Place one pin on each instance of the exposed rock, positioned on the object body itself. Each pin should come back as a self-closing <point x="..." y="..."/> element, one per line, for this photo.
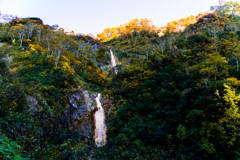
<point x="108" y="104"/>
<point x="95" y="47"/>
<point x="82" y="102"/>
<point x="1" y="44"/>
<point x="81" y="111"/>
<point x="81" y="106"/>
<point x="33" y="103"/>
<point x="8" y="59"/>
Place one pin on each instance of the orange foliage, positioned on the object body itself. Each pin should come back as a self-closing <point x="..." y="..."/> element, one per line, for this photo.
<point x="142" y="24"/>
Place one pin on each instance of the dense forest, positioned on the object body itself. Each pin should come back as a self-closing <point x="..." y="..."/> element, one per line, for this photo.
<point x="173" y="94"/>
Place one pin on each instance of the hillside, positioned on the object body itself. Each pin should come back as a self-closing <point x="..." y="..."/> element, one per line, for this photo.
<point x="136" y="92"/>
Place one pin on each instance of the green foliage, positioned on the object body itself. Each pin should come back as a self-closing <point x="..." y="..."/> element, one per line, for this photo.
<point x="46" y="68"/>
<point x="3" y="65"/>
<point x="173" y="95"/>
<point x="9" y="149"/>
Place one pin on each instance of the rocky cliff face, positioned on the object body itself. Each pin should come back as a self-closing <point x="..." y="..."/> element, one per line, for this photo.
<point x="108" y="105"/>
<point x="80" y="113"/>
<point x="82" y="102"/>
<point x="80" y="117"/>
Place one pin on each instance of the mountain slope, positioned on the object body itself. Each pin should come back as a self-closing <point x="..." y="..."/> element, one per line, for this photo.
<point x="175" y="95"/>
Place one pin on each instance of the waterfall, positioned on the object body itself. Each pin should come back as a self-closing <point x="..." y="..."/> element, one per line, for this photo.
<point x="100" y="126"/>
<point x="100" y="130"/>
<point x="113" y="62"/>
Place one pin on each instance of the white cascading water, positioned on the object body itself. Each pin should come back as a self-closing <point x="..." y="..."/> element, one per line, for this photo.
<point x="113" y="62"/>
<point x="100" y="126"/>
<point x="100" y="135"/>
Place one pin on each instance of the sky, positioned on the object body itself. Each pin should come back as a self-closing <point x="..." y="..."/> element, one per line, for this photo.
<point x="93" y="16"/>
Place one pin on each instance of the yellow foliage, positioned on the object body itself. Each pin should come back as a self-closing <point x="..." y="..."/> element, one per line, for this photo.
<point x="39" y="61"/>
<point x="72" y="55"/>
<point x="77" y="62"/>
<point x="134" y="84"/>
<point x="36" y="48"/>
<point x="64" y="58"/>
<point x="67" y="67"/>
<point x="102" y="75"/>
<point x="89" y="68"/>
<point x="43" y="74"/>
<point x="14" y="42"/>
<point x="233" y="81"/>
<point x="25" y="55"/>
<point x="31" y="65"/>
<point x="232" y="99"/>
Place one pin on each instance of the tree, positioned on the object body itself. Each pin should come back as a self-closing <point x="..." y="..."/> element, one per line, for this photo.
<point x="30" y="28"/>
<point x="219" y="63"/>
<point x="228" y="8"/>
<point x="4" y="29"/>
<point x="18" y="31"/>
<point x="232" y="8"/>
<point x="231" y="119"/>
<point x="162" y="43"/>
<point x="58" y="50"/>
<point x="48" y="38"/>
<point x="134" y="25"/>
<point x="214" y="29"/>
<point x="236" y="54"/>
<point x="170" y="40"/>
<point x="39" y="30"/>
<point x="213" y="67"/>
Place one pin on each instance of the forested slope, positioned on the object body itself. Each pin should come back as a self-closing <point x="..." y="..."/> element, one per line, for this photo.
<point x="175" y="95"/>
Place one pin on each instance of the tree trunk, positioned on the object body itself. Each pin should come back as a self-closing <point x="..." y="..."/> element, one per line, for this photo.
<point x="237" y="64"/>
<point x="21" y="42"/>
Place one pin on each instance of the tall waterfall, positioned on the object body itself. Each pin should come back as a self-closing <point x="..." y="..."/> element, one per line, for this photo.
<point x="113" y="62"/>
<point x="100" y="126"/>
<point x="100" y="130"/>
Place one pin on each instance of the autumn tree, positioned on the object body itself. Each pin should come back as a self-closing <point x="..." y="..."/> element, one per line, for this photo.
<point x="30" y="29"/>
<point x="59" y="46"/>
<point x="228" y="8"/>
<point x="19" y="31"/>
<point x="39" y="30"/>
<point x="134" y="25"/>
<point x="85" y="52"/>
<point x="236" y="54"/>
<point x="48" y="38"/>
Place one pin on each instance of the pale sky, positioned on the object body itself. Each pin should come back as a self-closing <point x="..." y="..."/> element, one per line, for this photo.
<point x="92" y="16"/>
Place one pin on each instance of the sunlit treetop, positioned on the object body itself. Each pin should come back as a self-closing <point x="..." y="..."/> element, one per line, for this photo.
<point x="133" y="25"/>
